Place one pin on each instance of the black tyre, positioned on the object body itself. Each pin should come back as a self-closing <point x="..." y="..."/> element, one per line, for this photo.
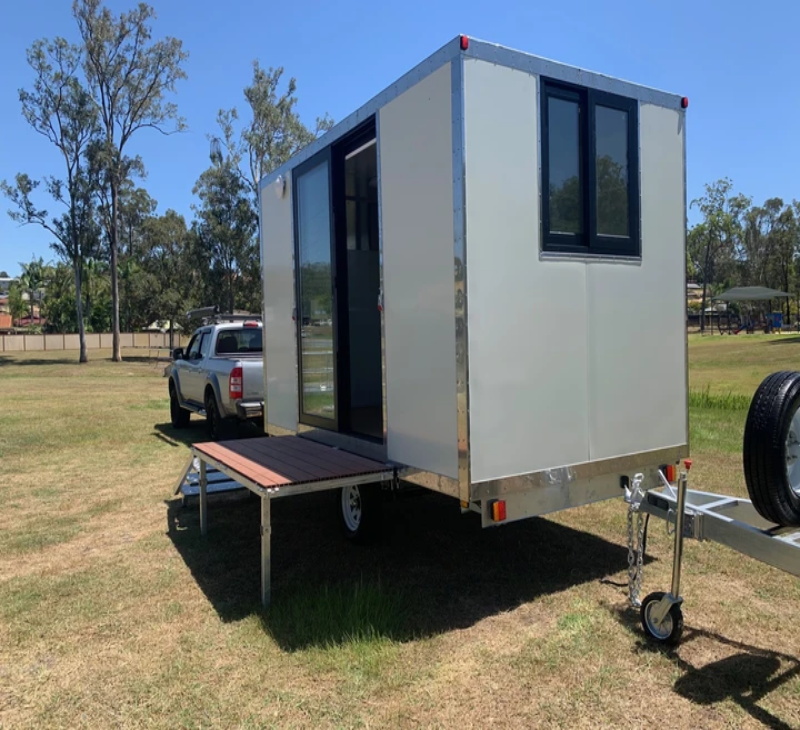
<point x="670" y="629"/>
<point x="771" y="449"/>
<point x="360" y="511"/>
<point x="214" y="423"/>
<point x="179" y="416"/>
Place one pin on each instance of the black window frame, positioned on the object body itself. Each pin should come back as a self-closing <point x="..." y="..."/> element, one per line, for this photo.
<point x="590" y="242"/>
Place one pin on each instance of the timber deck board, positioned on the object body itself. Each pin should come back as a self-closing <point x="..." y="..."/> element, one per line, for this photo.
<point x="279" y="461"/>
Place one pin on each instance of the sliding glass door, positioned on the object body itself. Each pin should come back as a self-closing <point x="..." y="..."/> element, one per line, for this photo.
<point x="316" y="311"/>
<point x="337" y="255"/>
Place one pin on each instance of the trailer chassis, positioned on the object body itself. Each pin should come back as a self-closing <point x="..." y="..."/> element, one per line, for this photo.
<point x="731" y="521"/>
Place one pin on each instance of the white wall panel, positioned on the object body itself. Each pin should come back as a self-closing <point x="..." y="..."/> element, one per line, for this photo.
<point x="527" y="318"/>
<point x="280" y="343"/>
<point x="637" y="361"/>
<point x="416" y="188"/>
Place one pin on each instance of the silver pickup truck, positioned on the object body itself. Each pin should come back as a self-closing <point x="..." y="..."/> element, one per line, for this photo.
<point x="219" y="375"/>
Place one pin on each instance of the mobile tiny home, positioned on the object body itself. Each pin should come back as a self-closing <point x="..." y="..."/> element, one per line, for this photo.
<point x="479" y="276"/>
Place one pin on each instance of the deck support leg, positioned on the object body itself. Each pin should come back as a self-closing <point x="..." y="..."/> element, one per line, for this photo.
<point x="266" y="550"/>
<point x="203" y="498"/>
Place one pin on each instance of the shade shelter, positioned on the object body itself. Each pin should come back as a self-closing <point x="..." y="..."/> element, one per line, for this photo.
<point x="751" y="294"/>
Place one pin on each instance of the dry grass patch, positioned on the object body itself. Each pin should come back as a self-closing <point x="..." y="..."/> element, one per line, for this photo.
<point x="114" y="612"/>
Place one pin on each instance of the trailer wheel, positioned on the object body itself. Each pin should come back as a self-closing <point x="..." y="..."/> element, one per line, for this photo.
<point x="177" y="415"/>
<point x="360" y="512"/>
<point x="669" y="631"/>
<point x="771" y="449"/>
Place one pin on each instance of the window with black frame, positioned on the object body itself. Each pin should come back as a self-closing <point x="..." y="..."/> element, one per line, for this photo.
<point x="590" y="171"/>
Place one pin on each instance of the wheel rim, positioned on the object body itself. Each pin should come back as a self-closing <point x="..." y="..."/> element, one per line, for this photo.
<point x="792" y="453"/>
<point x="661" y="631"/>
<point x="351" y="508"/>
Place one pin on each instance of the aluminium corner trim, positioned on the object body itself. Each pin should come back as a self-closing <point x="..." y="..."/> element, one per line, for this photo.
<point x="460" y="277"/>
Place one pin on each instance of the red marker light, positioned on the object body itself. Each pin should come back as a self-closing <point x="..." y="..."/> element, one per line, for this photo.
<point x="685" y="102"/>
<point x="464" y="42"/>
<point x="687" y="463"/>
<point x="669" y="472"/>
<point x="498" y="510"/>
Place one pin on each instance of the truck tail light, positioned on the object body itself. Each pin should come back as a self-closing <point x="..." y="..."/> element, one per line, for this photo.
<point x="235" y="383"/>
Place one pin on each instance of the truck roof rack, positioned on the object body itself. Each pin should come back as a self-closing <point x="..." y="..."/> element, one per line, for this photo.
<point x="212" y="315"/>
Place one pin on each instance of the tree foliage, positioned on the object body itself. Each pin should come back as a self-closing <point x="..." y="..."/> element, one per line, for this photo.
<point x="736" y="243"/>
<point x="130" y="77"/>
<point x="59" y="108"/>
<point x="224" y="239"/>
<point x="273" y="133"/>
<point x="17" y="305"/>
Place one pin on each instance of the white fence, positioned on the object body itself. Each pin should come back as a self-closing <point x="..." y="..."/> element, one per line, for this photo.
<point x="94" y="341"/>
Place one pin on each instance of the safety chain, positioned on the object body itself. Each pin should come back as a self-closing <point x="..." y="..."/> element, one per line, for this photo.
<point x="635" y="547"/>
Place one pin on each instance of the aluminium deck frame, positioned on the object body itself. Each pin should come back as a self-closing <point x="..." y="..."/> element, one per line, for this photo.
<point x="203" y="461"/>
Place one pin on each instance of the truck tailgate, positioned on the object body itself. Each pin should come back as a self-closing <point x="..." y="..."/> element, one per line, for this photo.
<point x="253" y="377"/>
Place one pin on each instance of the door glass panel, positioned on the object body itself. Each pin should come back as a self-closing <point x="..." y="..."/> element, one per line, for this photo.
<point x="316" y="293"/>
<point x="565" y="183"/>
<point x="611" y="129"/>
<point x="363" y="291"/>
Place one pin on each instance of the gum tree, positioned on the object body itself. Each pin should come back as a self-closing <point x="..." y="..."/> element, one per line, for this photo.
<point x="59" y="108"/>
<point x="130" y="76"/>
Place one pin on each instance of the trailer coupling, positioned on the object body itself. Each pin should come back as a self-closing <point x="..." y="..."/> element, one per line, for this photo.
<point x="731" y="521"/>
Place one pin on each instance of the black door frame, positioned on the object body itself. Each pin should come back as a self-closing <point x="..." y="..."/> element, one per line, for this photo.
<point x="364" y="133"/>
<point x="307" y="418"/>
<point x="334" y="155"/>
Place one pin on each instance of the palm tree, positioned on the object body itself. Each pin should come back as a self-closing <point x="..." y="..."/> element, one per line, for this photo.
<point x="32" y="280"/>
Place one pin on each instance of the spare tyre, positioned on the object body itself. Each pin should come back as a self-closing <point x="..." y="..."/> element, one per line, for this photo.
<point x="771" y="449"/>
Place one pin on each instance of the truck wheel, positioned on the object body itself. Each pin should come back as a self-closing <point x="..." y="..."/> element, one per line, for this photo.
<point x="360" y="512"/>
<point x="214" y="422"/>
<point x="771" y="450"/>
<point x="178" y="415"/>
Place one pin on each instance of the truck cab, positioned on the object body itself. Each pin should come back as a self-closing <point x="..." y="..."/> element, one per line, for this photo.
<point x="219" y="375"/>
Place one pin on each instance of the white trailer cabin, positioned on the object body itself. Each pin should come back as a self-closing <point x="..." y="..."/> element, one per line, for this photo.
<point x="479" y="276"/>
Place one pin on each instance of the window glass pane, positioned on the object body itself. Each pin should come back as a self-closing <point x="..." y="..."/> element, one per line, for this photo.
<point x="205" y="342"/>
<point x="565" y="184"/>
<point x="316" y="292"/>
<point x="611" y="129"/>
<point x="244" y="340"/>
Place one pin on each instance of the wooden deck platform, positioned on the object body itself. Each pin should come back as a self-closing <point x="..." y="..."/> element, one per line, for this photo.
<point x="279" y="466"/>
<point x="284" y="461"/>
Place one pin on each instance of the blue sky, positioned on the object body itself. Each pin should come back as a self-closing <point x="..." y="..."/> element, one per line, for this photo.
<point x="736" y="61"/>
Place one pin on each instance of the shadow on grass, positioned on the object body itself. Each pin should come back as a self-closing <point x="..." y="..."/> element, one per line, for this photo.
<point x="745" y="677"/>
<point x="26" y="361"/>
<point x="433" y="571"/>
<point x="196" y="432"/>
<point x="786" y="340"/>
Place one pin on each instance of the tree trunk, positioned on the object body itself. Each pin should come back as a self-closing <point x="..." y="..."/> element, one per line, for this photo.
<point x="83" y="357"/>
<point x="116" y="355"/>
<point x="703" y="307"/>
<point x="705" y="288"/>
<point x="788" y="299"/>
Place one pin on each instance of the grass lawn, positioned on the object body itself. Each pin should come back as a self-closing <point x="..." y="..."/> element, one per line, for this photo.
<point x="115" y="613"/>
